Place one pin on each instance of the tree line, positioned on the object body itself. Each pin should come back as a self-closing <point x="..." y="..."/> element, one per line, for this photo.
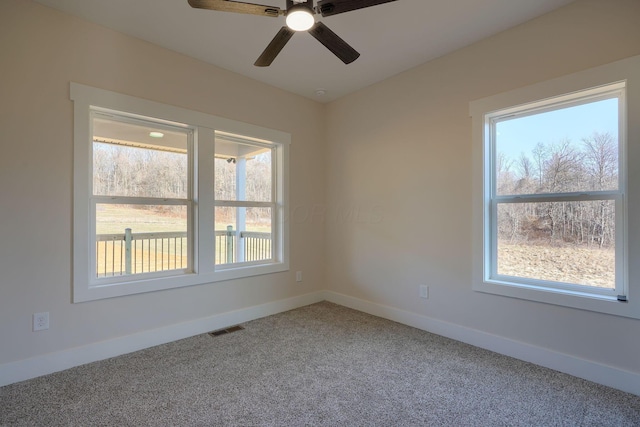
<point x="257" y="183"/>
<point x="560" y="167"/>
<point x="120" y="170"/>
<point x="137" y="172"/>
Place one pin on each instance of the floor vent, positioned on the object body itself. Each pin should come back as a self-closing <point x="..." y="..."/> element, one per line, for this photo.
<point x="226" y="330"/>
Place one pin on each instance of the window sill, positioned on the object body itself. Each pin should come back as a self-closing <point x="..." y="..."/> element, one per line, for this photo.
<point x="607" y="304"/>
<point x="140" y="285"/>
<point x="241" y="271"/>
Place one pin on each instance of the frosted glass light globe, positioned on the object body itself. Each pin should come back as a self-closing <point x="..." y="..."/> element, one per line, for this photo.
<point x="300" y="19"/>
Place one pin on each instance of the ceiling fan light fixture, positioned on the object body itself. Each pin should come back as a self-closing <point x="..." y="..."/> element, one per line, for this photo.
<point x="300" y="18"/>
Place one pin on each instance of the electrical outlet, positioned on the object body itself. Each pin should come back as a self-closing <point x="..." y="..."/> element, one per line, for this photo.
<point x="298" y="276"/>
<point x="424" y="291"/>
<point x="40" y="321"/>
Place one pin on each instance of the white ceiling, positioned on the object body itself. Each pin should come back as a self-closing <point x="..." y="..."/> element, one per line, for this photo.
<point x="391" y="37"/>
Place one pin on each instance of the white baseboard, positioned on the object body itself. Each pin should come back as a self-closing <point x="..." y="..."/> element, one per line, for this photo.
<point x="588" y="370"/>
<point x="53" y="362"/>
<point x="22" y="370"/>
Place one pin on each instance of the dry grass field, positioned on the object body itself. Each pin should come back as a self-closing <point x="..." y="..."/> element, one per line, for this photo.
<point x="583" y="265"/>
<point x="113" y="219"/>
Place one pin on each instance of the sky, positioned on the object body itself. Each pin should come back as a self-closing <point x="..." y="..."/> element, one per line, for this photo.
<point x="521" y="134"/>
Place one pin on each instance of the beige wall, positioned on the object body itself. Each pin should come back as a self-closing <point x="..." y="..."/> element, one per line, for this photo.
<point x="42" y="50"/>
<point x="400" y="151"/>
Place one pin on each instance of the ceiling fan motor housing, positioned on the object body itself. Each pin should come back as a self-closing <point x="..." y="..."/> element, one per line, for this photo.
<point x="307" y="3"/>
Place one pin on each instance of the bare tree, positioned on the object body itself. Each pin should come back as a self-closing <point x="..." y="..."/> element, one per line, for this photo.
<point x="539" y="153"/>
<point x="601" y="161"/>
<point x="524" y="168"/>
<point x="504" y="176"/>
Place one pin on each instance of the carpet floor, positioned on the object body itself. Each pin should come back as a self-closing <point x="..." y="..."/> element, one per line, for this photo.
<point x="320" y="365"/>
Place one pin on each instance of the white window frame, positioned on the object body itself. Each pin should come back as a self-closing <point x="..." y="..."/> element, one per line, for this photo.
<point x="272" y="205"/>
<point x="200" y="202"/>
<point x="236" y="269"/>
<point x="612" y="91"/>
<point x="95" y="200"/>
<point x="619" y="79"/>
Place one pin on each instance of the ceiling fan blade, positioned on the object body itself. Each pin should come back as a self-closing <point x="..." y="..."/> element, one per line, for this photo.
<point x="335" y="44"/>
<point x="334" y="7"/>
<point x="274" y="48"/>
<point x="238" y="7"/>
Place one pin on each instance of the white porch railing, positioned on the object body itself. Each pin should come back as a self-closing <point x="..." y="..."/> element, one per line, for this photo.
<point x="135" y="253"/>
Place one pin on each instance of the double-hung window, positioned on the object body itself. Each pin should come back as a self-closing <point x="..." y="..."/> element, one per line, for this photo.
<point x="244" y="201"/>
<point x="141" y="203"/>
<point x="166" y="197"/>
<point x="556" y="212"/>
<point x="248" y="200"/>
<point x="551" y="217"/>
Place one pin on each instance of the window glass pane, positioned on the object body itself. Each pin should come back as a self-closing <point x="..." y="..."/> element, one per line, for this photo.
<point x="242" y="171"/>
<point x="570" y="242"/>
<point x="134" y="239"/>
<point x="128" y="161"/>
<point x="243" y="234"/>
<point x="569" y="149"/>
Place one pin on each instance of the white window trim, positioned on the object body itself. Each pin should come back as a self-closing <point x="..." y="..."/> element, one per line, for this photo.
<point x="279" y="244"/>
<point x="274" y="204"/>
<point x="95" y="200"/>
<point x="481" y="111"/>
<point x="612" y="91"/>
<point x="202" y="268"/>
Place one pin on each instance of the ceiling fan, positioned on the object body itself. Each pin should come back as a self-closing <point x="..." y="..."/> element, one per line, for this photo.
<point x="299" y="17"/>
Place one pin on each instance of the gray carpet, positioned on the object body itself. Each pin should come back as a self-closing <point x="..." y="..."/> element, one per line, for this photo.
<point x="321" y="365"/>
